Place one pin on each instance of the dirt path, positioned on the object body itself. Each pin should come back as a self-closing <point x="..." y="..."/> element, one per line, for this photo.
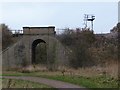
<point x="53" y="83"/>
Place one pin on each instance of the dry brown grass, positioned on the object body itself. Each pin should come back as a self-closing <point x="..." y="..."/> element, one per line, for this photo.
<point x="110" y="69"/>
<point x="33" y="68"/>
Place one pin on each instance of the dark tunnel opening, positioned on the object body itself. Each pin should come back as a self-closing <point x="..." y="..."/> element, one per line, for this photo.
<point x="35" y="44"/>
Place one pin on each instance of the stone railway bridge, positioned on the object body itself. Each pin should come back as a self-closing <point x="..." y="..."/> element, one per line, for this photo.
<point x="22" y="53"/>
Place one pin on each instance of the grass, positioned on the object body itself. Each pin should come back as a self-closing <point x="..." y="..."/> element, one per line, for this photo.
<point x="13" y="83"/>
<point x="88" y="82"/>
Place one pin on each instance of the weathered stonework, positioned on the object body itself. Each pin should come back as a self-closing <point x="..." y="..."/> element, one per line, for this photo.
<point x="20" y="54"/>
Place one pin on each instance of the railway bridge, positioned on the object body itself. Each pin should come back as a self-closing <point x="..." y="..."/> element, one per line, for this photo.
<point x="22" y="53"/>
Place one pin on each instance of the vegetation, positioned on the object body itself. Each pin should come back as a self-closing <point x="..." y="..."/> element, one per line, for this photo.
<point x="93" y="82"/>
<point x="116" y="28"/>
<point x="6" y="36"/>
<point x="13" y="83"/>
<point x="101" y="81"/>
<point x="78" y="43"/>
<point x="88" y="49"/>
<point x="41" y="54"/>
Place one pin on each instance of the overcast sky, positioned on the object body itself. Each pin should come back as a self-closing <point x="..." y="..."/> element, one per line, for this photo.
<point x="59" y="14"/>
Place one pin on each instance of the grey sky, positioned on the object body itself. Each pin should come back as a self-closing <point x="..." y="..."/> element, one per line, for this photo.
<point x="119" y="11"/>
<point x="59" y="14"/>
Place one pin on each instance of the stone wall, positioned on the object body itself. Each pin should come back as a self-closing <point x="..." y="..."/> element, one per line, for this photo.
<point x="20" y="54"/>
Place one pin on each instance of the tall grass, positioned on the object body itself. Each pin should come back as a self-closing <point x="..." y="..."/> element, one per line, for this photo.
<point x="110" y="69"/>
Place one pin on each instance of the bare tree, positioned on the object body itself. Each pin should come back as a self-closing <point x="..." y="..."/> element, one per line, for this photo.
<point x="6" y="36"/>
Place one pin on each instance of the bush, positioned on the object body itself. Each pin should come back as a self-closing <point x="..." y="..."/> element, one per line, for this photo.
<point x="78" y="41"/>
<point x="6" y="36"/>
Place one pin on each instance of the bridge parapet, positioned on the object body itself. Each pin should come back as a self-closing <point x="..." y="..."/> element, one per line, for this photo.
<point x="39" y="30"/>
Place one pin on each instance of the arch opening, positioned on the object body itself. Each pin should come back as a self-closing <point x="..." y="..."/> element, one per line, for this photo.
<point x="39" y="52"/>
